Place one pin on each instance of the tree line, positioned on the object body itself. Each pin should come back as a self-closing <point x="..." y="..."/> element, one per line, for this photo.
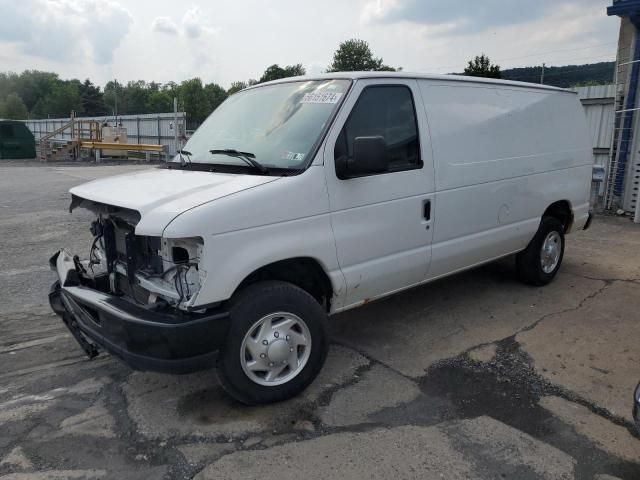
<point x="38" y="94"/>
<point x="567" y="76"/>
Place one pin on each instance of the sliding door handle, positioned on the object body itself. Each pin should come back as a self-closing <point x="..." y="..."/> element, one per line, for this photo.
<point x="426" y="210"/>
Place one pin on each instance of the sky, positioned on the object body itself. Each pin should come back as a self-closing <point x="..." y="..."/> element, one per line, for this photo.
<point x="227" y="40"/>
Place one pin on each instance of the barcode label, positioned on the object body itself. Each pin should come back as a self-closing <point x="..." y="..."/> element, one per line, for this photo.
<point x="321" y="97"/>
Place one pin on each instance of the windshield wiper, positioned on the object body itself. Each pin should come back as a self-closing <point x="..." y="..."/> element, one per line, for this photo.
<point x="248" y="157"/>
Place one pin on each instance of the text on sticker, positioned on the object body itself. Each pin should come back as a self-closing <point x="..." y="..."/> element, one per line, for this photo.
<point x="298" y="157"/>
<point x="321" y="97"/>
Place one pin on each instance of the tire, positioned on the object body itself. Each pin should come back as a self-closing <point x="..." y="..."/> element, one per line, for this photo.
<point x="273" y="312"/>
<point x="532" y="266"/>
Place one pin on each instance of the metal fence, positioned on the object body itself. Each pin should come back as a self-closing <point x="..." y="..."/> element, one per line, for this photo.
<point x="154" y="128"/>
<point x="599" y="106"/>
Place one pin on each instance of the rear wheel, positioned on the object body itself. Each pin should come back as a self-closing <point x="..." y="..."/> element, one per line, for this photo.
<point x="541" y="260"/>
<point x="276" y="345"/>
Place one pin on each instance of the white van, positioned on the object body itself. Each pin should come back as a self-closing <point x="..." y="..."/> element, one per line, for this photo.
<point x="305" y="197"/>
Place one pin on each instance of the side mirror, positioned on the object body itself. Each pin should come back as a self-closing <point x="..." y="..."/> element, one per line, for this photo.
<point x="369" y="157"/>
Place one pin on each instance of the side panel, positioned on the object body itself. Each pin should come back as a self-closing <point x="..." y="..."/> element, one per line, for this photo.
<point x="502" y="156"/>
<point x="284" y="219"/>
<point x="485" y="133"/>
<point x="469" y="236"/>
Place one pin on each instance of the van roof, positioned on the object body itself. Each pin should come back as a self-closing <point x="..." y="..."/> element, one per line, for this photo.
<point x="420" y="76"/>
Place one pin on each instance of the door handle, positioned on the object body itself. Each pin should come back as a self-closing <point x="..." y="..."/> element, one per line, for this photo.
<point x="426" y="210"/>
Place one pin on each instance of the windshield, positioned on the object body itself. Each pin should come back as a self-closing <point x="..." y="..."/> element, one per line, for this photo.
<point x="278" y="124"/>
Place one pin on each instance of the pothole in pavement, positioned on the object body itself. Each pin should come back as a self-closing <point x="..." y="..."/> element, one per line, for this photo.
<point x="509" y="390"/>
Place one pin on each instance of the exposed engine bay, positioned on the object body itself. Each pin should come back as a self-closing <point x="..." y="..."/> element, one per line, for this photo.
<point x="152" y="271"/>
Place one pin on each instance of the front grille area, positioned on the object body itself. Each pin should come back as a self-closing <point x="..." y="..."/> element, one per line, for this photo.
<point x="137" y="253"/>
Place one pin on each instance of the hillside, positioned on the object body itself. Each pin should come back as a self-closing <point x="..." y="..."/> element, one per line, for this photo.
<point x="567" y="76"/>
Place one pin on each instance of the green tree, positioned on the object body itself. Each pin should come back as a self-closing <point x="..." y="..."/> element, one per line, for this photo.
<point x="355" y="56"/>
<point x="195" y="101"/>
<point x="13" y="108"/>
<point x="136" y="97"/>
<point x="215" y="95"/>
<point x="63" y="98"/>
<point x="34" y="85"/>
<point x="275" y="72"/>
<point x="296" y="70"/>
<point x="236" y="87"/>
<point x="481" y="67"/>
<point x="92" y="99"/>
<point x="159" y="101"/>
<point x="8" y="83"/>
<point x="128" y="99"/>
<point x="172" y="88"/>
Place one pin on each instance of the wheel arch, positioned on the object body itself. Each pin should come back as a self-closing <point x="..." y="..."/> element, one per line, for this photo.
<point x="304" y="272"/>
<point x="563" y="212"/>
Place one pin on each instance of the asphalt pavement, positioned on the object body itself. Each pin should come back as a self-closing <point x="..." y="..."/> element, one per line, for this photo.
<point x="472" y="377"/>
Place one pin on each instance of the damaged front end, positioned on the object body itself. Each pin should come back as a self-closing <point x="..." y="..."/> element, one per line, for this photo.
<point x="135" y="295"/>
<point x="152" y="271"/>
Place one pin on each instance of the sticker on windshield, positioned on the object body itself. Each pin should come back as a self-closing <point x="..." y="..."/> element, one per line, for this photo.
<point x="292" y="156"/>
<point x="321" y="97"/>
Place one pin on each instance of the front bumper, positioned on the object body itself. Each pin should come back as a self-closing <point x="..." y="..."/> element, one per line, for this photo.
<point x="143" y="338"/>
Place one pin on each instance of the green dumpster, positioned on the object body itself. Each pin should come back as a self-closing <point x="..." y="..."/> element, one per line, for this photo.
<point x="16" y="140"/>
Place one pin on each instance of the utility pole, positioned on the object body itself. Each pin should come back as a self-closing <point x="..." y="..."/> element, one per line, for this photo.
<point x="542" y="74"/>
<point x="115" y="102"/>
<point x="175" y="123"/>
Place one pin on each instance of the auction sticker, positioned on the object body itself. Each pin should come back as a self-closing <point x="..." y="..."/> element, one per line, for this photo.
<point x="296" y="157"/>
<point x="321" y="97"/>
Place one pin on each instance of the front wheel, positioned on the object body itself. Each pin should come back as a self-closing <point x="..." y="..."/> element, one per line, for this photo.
<point x="541" y="260"/>
<point x="276" y="345"/>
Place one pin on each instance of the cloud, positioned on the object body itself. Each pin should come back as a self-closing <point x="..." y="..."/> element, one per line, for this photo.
<point x="195" y="24"/>
<point x="194" y="31"/>
<point x="107" y="24"/>
<point x="16" y="21"/>
<point x="65" y="30"/>
<point x="463" y="16"/>
<point x="164" y="25"/>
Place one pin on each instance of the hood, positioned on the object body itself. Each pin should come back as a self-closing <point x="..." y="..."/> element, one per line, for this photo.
<point x="160" y="195"/>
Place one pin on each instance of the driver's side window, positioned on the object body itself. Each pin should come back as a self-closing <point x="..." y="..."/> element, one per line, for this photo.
<point x="386" y="111"/>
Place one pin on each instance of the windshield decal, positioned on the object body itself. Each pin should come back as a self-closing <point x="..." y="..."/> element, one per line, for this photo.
<point x="296" y="157"/>
<point x="321" y="97"/>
